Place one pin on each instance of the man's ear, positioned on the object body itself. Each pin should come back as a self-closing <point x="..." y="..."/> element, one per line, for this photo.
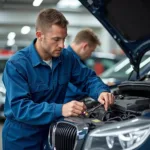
<point x="39" y="35"/>
<point x="84" y="45"/>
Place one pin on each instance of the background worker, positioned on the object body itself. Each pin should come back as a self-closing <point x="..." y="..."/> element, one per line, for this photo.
<point x="84" y="43"/>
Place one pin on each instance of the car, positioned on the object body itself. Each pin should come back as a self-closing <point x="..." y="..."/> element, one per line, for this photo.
<point x="100" y="61"/>
<point x="2" y="97"/>
<point x="123" y="71"/>
<point x="4" y="56"/>
<point x="126" y="124"/>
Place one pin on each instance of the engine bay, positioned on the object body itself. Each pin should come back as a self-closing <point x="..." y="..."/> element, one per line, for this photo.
<point x="131" y="100"/>
<point x="124" y="108"/>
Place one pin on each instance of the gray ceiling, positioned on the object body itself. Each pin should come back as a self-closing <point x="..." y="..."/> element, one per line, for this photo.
<point x="24" y="4"/>
<point x="14" y="14"/>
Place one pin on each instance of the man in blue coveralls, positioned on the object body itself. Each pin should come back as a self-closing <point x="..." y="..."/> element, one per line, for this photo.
<point x="36" y="79"/>
<point x="84" y="43"/>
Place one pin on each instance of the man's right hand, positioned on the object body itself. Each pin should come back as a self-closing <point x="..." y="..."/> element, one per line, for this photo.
<point x="73" y="108"/>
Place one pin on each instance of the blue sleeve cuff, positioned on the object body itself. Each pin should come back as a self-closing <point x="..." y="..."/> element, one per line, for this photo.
<point x="58" y="110"/>
<point x="104" y="90"/>
<point x="99" y="92"/>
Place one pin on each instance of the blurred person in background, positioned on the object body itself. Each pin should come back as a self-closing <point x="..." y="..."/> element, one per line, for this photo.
<point x="36" y="80"/>
<point x="84" y="43"/>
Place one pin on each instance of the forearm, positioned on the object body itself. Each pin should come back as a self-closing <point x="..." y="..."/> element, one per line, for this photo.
<point x="25" y="110"/>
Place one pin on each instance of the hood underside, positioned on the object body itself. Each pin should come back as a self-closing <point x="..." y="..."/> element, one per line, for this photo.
<point x="128" y="21"/>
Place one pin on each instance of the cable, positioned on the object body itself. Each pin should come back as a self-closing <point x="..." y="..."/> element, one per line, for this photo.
<point x="115" y="118"/>
<point x="93" y="109"/>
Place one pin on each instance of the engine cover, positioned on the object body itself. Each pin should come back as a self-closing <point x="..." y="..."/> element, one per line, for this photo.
<point x="133" y="103"/>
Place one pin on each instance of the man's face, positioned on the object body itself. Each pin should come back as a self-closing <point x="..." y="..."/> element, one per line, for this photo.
<point x="87" y="51"/>
<point x="52" y="41"/>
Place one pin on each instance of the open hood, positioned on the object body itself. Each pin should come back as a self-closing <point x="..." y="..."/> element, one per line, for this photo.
<point x="128" y="21"/>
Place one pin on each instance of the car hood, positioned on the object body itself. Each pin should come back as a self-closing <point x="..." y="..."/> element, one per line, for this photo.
<point x="127" y="21"/>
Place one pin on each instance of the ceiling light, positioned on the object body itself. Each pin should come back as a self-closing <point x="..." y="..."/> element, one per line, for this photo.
<point x="68" y="3"/>
<point x="37" y="2"/>
<point x="11" y="35"/>
<point x="11" y="42"/>
<point x="25" y="30"/>
<point x="121" y="65"/>
<point x="145" y="62"/>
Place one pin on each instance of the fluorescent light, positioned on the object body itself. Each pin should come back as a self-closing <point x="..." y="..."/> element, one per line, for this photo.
<point x="37" y="2"/>
<point x="25" y="30"/>
<point x="129" y="70"/>
<point x="68" y="3"/>
<point x="145" y="62"/>
<point x="11" y="42"/>
<point x="11" y="35"/>
<point x="121" y="65"/>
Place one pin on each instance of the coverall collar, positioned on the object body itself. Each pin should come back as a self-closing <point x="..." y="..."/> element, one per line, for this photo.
<point x="36" y="59"/>
<point x="75" y="54"/>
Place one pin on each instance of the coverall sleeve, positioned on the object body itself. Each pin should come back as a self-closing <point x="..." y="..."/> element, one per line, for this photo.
<point x="20" y="103"/>
<point x="87" y="80"/>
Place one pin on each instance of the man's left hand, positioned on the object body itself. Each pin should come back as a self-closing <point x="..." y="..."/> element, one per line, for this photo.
<point x="107" y="99"/>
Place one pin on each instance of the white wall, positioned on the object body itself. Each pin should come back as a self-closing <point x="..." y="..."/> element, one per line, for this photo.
<point x="14" y="20"/>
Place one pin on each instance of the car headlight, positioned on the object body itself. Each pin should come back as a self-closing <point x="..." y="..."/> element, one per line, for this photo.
<point x="125" y="135"/>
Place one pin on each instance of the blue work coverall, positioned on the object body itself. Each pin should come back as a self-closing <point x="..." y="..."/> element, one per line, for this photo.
<point x="35" y="94"/>
<point x="74" y="92"/>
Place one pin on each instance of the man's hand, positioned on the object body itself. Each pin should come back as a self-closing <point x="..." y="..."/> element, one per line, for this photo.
<point x="73" y="108"/>
<point x="106" y="99"/>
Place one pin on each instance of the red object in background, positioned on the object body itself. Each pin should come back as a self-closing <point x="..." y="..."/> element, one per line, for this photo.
<point x="5" y="52"/>
<point x="99" y="68"/>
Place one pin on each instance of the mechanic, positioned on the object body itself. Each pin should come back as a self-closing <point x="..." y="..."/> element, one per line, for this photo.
<point x="84" y="43"/>
<point x="36" y="80"/>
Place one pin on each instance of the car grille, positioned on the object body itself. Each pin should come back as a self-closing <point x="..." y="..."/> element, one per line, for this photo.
<point x="65" y="136"/>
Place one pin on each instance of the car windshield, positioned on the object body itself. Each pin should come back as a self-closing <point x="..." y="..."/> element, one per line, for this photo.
<point x="123" y="69"/>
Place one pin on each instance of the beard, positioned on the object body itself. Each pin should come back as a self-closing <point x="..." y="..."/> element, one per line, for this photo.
<point x="56" y="52"/>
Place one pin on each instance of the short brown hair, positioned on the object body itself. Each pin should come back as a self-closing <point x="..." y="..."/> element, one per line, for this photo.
<point x="49" y="17"/>
<point x="87" y="35"/>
